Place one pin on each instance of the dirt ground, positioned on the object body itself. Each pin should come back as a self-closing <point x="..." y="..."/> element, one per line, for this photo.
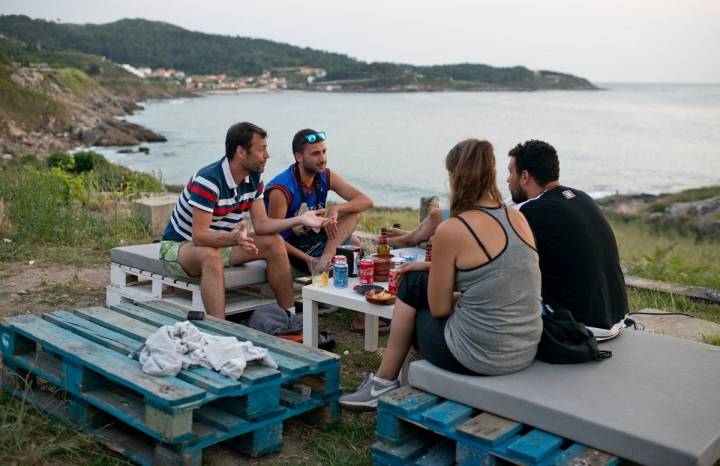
<point x="28" y="288"/>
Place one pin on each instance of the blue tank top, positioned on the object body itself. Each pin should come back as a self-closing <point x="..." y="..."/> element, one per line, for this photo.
<point x="288" y="182"/>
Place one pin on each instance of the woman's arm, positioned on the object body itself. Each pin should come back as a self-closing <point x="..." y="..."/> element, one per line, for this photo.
<point x="442" y="270"/>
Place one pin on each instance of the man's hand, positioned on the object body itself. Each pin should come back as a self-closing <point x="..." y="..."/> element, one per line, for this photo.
<point x="331" y="222"/>
<point x="313" y="218"/>
<point x="240" y="235"/>
<point x="308" y="260"/>
<point x="411" y="266"/>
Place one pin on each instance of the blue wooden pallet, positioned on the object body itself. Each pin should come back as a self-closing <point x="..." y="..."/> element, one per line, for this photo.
<point x="161" y="420"/>
<point x="418" y="428"/>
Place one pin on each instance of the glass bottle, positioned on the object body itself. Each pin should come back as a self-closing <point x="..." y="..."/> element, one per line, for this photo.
<point x="428" y="252"/>
<point x="383" y="246"/>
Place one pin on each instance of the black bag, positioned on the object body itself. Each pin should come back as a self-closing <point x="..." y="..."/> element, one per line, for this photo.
<point x="565" y="341"/>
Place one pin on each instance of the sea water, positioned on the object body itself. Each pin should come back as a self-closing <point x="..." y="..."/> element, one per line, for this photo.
<point x="629" y="138"/>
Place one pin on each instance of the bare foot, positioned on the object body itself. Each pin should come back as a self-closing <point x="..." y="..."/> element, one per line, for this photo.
<point x="395" y="232"/>
<point x="400" y="241"/>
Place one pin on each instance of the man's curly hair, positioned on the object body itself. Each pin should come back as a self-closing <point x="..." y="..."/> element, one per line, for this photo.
<point x="539" y="159"/>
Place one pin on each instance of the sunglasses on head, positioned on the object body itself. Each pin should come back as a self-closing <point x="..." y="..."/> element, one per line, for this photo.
<point x="315" y="137"/>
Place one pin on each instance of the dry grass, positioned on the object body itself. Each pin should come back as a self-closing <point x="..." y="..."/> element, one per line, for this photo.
<point x="667" y="255"/>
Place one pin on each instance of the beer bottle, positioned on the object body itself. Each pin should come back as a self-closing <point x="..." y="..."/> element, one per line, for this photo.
<point x="383" y="246"/>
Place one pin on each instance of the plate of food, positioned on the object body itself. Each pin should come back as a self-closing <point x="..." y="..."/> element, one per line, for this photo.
<point x="381" y="297"/>
<point x="362" y="289"/>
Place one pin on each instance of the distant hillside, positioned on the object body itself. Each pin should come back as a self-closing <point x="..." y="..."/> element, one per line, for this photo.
<point x="154" y="44"/>
<point x="108" y="74"/>
<point x="56" y="104"/>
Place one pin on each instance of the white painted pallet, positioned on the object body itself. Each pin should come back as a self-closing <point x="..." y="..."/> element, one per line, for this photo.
<point x="132" y="284"/>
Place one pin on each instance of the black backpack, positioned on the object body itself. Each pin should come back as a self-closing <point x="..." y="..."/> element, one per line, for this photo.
<point x="565" y="341"/>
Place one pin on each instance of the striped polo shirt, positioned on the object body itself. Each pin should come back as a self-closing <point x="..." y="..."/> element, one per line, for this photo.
<point x="213" y="189"/>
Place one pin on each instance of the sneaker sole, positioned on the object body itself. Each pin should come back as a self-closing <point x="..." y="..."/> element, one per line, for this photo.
<point x="359" y="405"/>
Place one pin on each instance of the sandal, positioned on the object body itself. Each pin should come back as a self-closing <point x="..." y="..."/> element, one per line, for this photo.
<point x="383" y="328"/>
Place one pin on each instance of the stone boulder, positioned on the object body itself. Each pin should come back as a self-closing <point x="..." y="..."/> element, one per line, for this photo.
<point x="702" y="207"/>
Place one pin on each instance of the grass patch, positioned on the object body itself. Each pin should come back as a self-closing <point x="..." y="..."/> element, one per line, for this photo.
<point x="378" y="217"/>
<point x="55" y="214"/>
<point x="643" y="299"/>
<point x="30" y="437"/>
<point x="667" y="255"/>
<point x="711" y="339"/>
<point x="75" y="81"/>
<point x="28" y="108"/>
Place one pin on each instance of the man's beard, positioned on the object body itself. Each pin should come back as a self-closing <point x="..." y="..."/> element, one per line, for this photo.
<point x="518" y="195"/>
<point x="313" y="168"/>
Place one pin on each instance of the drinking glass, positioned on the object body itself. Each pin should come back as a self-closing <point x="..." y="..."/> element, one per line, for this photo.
<point x="319" y="271"/>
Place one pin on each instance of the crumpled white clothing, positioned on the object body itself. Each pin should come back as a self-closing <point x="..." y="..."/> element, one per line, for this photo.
<point x="175" y="347"/>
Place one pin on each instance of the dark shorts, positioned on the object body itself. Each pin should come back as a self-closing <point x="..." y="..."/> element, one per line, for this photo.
<point x="429" y="331"/>
<point x="313" y="245"/>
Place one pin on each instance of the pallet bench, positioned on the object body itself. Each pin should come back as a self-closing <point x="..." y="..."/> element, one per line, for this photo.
<point x="655" y="402"/>
<point x="137" y="274"/>
<point x="74" y="365"/>
<point x="415" y="427"/>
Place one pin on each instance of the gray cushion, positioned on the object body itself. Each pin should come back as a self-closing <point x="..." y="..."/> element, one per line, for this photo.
<point x="146" y="257"/>
<point x="656" y="401"/>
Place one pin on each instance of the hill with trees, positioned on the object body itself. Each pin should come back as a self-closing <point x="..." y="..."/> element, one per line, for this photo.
<point x="143" y="43"/>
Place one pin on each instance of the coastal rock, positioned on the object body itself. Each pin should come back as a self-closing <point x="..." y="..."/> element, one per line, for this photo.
<point x="7" y="157"/>
<point x="120" y="133"/>
<point x="27" y="77"/>
<point x="702" y="207"/>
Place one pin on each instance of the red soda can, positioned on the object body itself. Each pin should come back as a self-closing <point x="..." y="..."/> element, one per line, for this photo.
<point x="366" y="272"/>
<point x="392" y="281"/>
<point x="393" y="274"/>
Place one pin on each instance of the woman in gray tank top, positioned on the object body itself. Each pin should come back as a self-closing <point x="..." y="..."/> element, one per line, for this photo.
<point x="475" y="309"/>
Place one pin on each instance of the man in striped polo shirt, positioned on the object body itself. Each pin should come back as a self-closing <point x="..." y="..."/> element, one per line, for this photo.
<point x="205" y="232"/>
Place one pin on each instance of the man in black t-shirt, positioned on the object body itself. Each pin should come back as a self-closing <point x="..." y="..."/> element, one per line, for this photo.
<point x="578" y="254"/>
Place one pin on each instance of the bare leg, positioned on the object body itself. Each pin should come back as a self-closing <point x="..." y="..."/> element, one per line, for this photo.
<point x="272" y="249"/>
<point x="208" y="263"/>
<point x="399" y="342"/>
<point x="423" y="232"/>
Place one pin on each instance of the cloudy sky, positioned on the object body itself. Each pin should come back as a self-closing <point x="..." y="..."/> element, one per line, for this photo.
<point x="603" y="40"/>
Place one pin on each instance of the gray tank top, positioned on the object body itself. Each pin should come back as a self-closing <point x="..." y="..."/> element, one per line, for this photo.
<point x="496" y="325"/>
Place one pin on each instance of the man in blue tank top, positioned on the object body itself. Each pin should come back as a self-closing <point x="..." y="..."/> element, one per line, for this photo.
<point x="579" y="258"/>
<point x="305" y="186"/>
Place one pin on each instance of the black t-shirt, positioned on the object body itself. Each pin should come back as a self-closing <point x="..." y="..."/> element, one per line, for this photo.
<point x="579" y="258"/>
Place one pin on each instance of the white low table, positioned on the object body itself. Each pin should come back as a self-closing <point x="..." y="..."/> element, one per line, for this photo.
<point x="347" y="298"/>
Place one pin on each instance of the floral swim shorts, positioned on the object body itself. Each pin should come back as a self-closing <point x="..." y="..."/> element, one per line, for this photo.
<point x="170" y="254"/>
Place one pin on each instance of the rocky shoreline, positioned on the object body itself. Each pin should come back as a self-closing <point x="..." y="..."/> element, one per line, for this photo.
<point x="78" y="114"/>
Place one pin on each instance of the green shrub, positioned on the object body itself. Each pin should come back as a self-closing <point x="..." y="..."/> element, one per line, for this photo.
<point x="109" y="177"/>
<point x="88" y="160"/>
<point x="61" y="160"/>
<point x="47" y="209"/>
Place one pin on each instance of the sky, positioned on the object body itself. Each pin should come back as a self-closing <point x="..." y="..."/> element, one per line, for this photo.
<point x="602" y="40"/>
